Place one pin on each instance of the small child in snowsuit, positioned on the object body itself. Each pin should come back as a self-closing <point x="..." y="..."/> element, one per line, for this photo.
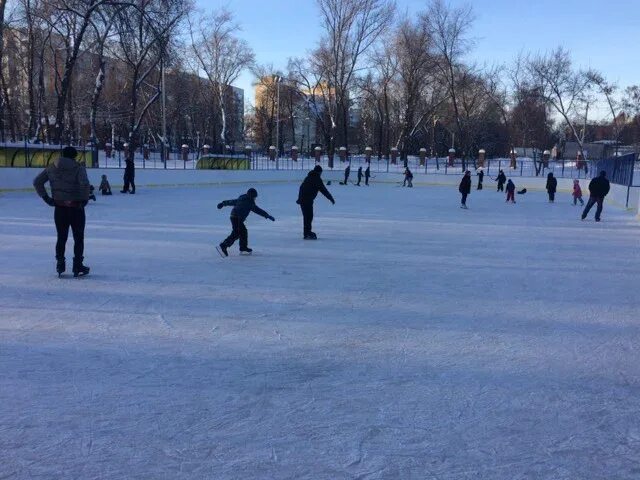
<point x="105" y="188"/>
<point x="511" y="189"/>
<point x="577" y="193"/>
<point x="242" y="206"/>
<point x="367" y="174"/>
<point x="552" y="186"/>
<point x="359" y="175"/>
<point x="501" y="178"/>
<point x="408" y="178"/>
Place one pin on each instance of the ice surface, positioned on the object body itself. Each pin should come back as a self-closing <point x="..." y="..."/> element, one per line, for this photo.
<point x="412" y="340"/>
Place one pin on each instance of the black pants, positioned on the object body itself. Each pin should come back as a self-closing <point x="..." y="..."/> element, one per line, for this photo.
<point x="307" y="217"/>
<point x="590" y="203"/>
<point x="73" y="217"/>
<point x="479" y="185"/>
<point x="359" y="180"/>
<point x="501" y="187"/>
<point x="366" y="180"/>
<point x="464" y="198"/>
<point x="129" y="180"/>
<point x="552" y="196"/>
<point x="238" y="231"/>
<point x="346" y="178"/>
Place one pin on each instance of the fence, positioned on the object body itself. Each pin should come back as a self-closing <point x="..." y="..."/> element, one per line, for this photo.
<point x="621" y="171"/>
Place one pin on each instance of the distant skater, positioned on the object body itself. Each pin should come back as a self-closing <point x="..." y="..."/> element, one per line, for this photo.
<point x="511" y="189"/>
<point x="552" y="186"/>
<point x="598" y="189"/>
<point x="359" y="175"/>
<point x="367" y="174"/>
<point x="480" y="178"/>
<point x="129" y="175"/>
<point x="501" y="179"/>
<point x="306" y="196"/>
<point x="347" y="172"/>
<point x="465" y="188"/>
<point x="242" y="206"/>
<point x="105" y="188"/>
<point x="577" y="193"/>
<point x="408" y="178"/>
<point x="70" y="191"/>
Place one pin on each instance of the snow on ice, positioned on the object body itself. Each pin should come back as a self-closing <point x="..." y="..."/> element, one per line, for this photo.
<point x="412" y="340"/>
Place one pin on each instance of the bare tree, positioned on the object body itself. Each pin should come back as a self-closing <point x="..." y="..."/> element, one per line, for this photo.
<point x="351" y="27"/>
<point x="221" y="55"/>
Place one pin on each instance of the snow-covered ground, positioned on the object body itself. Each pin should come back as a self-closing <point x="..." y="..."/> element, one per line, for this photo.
<point x="412" y="340"/>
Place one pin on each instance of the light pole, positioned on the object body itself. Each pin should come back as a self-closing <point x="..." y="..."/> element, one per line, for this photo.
<point x="277" y="79"/>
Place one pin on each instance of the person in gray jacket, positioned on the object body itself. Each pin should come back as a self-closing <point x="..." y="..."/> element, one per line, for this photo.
<point x="69" y="195"/>
<point x="242" y="206"/>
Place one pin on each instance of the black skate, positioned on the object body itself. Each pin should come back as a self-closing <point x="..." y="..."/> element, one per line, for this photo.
<point x="310" y="236"/>
<point x="246" y="251"/>
<point x="222" y="250"/>
<point x="60" y="267"/>
<point x="79" y="270"/>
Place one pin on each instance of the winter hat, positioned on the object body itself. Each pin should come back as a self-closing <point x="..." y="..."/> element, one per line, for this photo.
<point x="317" y="169"/>
<point x="252" y="192"/>
<point x="467" y="172"/>
<point x="603" y="173"/>
<point x="69" y="152"/>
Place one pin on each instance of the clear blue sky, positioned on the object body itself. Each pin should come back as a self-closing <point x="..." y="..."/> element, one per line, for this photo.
<point x="600" y="34"/>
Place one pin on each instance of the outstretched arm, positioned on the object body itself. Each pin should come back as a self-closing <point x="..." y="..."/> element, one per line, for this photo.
<point x="227" y="203"/>
<point x="325" y="192"/>
<point x="256" y="209"/>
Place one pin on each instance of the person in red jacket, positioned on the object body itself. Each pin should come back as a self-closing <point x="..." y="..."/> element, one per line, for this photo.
<point x="577" y="193"/>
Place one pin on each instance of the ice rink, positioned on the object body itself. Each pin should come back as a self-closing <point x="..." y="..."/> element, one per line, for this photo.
<point x="413" y="340"/>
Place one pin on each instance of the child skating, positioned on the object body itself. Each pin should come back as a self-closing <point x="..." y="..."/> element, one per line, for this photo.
<point x="511" y="190"/>
<point x="577" y="193"/>
<point x="408" y="178"/>
<point x="359" y="175"/>
<point x="465" y="189"/>
<point x="105" y="188"/>
<point x="552" y="186"/>
<point x="367" y="174"/>
<point x="501" y="179"/>
<point x="242" y="206"/>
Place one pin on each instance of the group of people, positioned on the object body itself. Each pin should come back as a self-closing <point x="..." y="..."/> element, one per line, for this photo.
<point x="71" y="191"/>
<point x="360" y="174"/>
<point x="598" y="189"/>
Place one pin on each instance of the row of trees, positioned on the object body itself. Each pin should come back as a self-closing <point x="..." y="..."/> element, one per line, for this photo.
<point x="411" y="83"/>
<point x="376" y="78"/>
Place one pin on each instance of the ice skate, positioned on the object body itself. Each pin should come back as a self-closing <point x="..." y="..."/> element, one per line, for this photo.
<point x="222" y="250"/>
<point x="79" y="270"/>
<point x="60" y="266"/>
<point x="246" y="251"/>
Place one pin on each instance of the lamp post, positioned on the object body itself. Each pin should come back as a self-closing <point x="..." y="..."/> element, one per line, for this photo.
<point x="277" y="79"/>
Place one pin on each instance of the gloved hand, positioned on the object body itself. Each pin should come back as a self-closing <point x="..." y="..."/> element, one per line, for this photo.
<point x="49" y="201"/>
<point x="220" y="206"/>
<point x="298" y="202"/>
<point x="271" y="218"/>
<point x="333" y="202"/>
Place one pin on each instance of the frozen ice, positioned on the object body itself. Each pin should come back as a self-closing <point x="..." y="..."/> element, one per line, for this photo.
<point x="412" y="340"/>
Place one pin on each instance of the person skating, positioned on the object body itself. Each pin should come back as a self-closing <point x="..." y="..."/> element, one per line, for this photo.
<point x="480" y="178"/>
<point x="359" y="175"/>
<point x="308" y="192"/>
<point x="552" y="186"/>
<point x="408" y="178"/>
<point x="598" y="189"/>
<point x="367" y="174"/>
<point x="347" y="171"/>
<point x="105" y="187"/>
<point x="501" y="179"/>
<point x="577" y="193"/>
<point x="69" y="195"/>
<point x="465" y="188"/>
<point x="129" y="175"/>
<point x="242" y="206"/>
<point x="511" y="189"/>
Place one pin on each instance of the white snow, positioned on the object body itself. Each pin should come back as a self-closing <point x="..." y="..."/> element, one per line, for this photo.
<point x="412" y="340"/>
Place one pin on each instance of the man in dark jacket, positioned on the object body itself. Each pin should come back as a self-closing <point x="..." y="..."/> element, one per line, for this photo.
<point x="480" y="178"/>
<point x="552" y="186"/>
<point x="242" y="206"/>
<point x="70" y="191"/>
<point x="359" y="175"/>
<point x="465" y="188"/>
<point x="129" y="175"/>
<point x="347" y="171"/>
<point x="502" y="179"/>
<point x="408" y="178"/>
<point x="367" y="174"/>
<point x="598" y="189"/>
<point x="307" y="194"/>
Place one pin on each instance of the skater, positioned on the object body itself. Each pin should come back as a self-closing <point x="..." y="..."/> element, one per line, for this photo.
<point x="511" y="188"/>
<point x="465" y="188"/>
<point x="552" y="185"/>
<point x="598" y="189"/>
<point x="408" y="178"/>
<point x="70" y="191"/>
<point x="306" y="195"/>
<point x="242" y="206"/>
<point x="105" y="188"/>
<point x="359" y="175"/>
<point x="367" y="174"/>
<point x="129" y="175"/>
<point x="501" y="179"/>
<point x="577" y="193"/>
<point x="347" y="171"/>
<point x="480" y="178"/>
